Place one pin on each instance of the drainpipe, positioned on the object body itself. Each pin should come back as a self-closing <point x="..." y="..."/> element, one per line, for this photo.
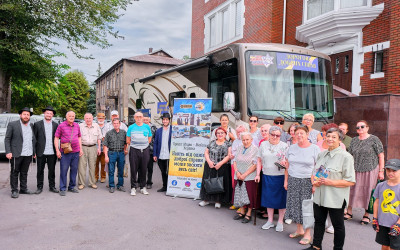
<point x="284" y="22"/>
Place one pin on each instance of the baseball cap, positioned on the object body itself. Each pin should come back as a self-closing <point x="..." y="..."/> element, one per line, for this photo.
<point x="114" y="112"/>
<point x="393" y="164"/>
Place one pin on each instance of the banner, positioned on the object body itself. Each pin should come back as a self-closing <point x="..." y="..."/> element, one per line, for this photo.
<point x="191" y="124"/>
<point x="297" y="62"/>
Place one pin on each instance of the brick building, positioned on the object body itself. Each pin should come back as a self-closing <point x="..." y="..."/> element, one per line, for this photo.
<point x="112" y="85"/>
<point x="361" y="36"/>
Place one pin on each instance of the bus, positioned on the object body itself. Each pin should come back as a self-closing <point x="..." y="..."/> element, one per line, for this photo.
<point x="266" y="80"/>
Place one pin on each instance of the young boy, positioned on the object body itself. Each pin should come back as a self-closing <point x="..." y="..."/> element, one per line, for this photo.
<point x="386" y="221"/>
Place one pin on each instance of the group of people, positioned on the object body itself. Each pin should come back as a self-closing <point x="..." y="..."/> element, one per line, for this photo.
<point x="281" y="169"/>
<point x="102" y="148"/>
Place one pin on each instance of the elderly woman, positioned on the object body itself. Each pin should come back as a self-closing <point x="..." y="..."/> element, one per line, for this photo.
<point x="245" y="165"/>
<point x="322" y="144"/>
<point x="332" y="179"/>
<point x="292" y="139"/>
<point x="231" y="134"/>
<point x="301" y="158"/>
<point x="254" y="130"/>
<point x="369" y="163"/>
<point x="313" y="135"/>
<point x="271" y="154"/>
<point x="217" y="156"/>
<point x="264" y="133"/>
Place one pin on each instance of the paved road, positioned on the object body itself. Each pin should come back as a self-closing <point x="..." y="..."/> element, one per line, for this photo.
<point x="96" y="219"/>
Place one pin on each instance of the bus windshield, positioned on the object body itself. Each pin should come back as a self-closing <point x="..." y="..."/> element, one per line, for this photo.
<point x="288" y="85"/>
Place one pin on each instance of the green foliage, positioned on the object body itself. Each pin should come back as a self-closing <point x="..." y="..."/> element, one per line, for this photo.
<point x="76" y="91"/>
<point x="91" y="102"/>
<point x="31" y="30"/>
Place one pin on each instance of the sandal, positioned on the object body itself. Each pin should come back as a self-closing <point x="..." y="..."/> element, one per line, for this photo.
<point x="305" y="241"/>
<point x="350" y="216"/>
<point x="238" y="216"/>
<point x="295" y="235"/>
<point x="246" y="219"/>
<point x="363" y="222"/>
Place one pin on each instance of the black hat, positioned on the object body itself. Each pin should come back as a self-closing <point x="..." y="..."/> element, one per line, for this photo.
<point x="166" y="115"/>
<point x="49" y="108"/>
<point x="25" y="109"/>
<point x="393" y="164"/>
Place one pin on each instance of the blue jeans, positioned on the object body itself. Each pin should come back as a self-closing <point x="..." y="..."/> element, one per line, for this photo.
<point x="68" y="161"/>
<point x="119" y="158"/>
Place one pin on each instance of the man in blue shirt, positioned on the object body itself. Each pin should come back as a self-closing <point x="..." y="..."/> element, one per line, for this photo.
<point x="138" y="137"/>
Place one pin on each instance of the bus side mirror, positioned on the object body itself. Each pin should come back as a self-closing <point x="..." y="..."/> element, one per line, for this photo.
<point x="138" y="103"/>
<point x="229" y="101"/>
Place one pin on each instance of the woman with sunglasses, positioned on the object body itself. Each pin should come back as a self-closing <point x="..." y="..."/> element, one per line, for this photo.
<point x="369" y="163"/>
<point x="271" y="158"/>
<point x="279" y="121"/>
<point x="217" y="156"/>
<point x="301" y="158"/>
<point x="313" y="135"/>
<point x="254" y="130"/>
<point x="231" y="133"/>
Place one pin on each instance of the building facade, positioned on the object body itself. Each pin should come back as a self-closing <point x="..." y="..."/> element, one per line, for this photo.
<point x="114" y="84"/>
<point x="361" y="36"/>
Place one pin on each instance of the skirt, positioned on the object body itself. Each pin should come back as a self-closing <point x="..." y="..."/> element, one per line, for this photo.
<point x="251" y="187"/>
<point x="273" y="194"/>
<point x="360" y="193"/>
<point x="299" y="189"/>
<point x="224" y="171"/>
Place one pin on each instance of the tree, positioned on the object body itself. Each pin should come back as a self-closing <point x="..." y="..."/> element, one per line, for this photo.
<point x="76" y="90"/>
<point x="91" y="102"/>
<point x="30" y="31"/>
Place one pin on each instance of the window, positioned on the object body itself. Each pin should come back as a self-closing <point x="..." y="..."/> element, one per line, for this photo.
<point x="378" y="61"/>
<point x="346" y="64"/>
<point x="223" y="25"/>
<point x="318" y="7"/>
<point x="173" y="95"/>
<point x="337" y="65"/>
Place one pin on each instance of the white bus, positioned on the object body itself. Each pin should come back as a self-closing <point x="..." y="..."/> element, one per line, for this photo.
<point x="267" y="80"/>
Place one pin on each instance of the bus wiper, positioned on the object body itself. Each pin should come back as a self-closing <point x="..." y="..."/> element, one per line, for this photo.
<point x="316" y="111"/>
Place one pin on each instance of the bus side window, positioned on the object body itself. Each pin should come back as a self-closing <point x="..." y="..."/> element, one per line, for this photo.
<point x="173" y="95"/>
<point x="192" y="95"/>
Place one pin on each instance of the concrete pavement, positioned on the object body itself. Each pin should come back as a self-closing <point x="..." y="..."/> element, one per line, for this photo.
<point x="97" y="219"/>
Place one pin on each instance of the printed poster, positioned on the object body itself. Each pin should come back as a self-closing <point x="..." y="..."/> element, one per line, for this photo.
<point x="191" y="125"/>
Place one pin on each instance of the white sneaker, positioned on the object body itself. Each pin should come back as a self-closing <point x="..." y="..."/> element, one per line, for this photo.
<point x="203" y="203"/>
<point x="133" y="191"/>
<point x="268" y="225"/>
<point x="288" y="221"/>
<point x="144" y="191"/>
<point x="217" y="205"/>
<point x="279" y="227"/>
<point x="330" y="230"/>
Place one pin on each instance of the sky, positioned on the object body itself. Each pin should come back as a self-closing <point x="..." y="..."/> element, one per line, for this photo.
<point x="157" y="24"/>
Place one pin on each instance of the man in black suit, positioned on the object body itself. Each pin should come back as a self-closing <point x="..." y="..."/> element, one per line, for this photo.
<point x="20" y="147"/>
<point x="44" y="131"/>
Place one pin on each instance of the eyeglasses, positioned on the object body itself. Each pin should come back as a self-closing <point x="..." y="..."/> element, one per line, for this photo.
<point x="274" y="135"/>
<point x="253" y="120"/>
<point x="220" y="133"/>
<point x="280" y="123"/>
<point x="363" y="126"/>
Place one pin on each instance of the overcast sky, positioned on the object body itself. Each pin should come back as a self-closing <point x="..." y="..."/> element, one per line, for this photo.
<point x="146" y="24"/>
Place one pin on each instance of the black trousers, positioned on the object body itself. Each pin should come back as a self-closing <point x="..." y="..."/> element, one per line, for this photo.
<point x="19" y="168"/>
<point x="150" y="170"/>
<point x="51" y="165"/>
<point x="336" y="215"/>
<point x="163" y="164"/>
<point x="138" y="160"/>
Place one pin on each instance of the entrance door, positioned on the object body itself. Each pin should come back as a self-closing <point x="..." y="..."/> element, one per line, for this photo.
<point x="342" y="68"/>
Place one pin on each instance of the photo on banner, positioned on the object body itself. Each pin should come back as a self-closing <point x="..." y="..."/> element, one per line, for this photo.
<point x="191" y="125"/>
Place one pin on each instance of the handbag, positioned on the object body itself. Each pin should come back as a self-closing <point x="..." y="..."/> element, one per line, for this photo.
<point x="241" y="197"/>
<point x="372" y="199"/>
<point x="66" y="147"/>
<point x="308" y="212"/>
<point x="214" y="185"/>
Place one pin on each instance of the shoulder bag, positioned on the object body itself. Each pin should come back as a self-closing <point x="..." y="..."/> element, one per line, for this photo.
<point x="214" y="185"/>
<point x="66" y="147"/>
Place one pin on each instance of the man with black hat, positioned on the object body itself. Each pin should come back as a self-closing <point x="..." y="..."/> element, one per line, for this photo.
<point x="161" y="149"/>
<point x="20" y="147"/>
<point x="44" y="131"/>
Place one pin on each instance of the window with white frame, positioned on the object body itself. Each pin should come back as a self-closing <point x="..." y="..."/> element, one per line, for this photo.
<point x="224" y="24"/>
<point x="319" y="7"/>
<point x="378" y="61"/>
